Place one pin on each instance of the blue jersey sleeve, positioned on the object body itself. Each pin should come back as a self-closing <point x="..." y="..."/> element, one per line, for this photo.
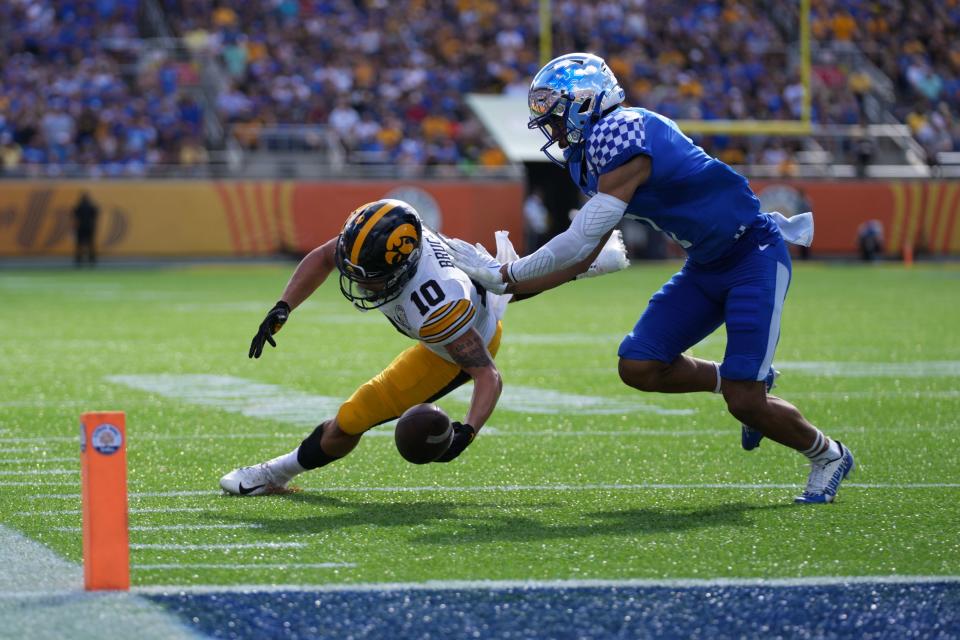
<point x="616" y="139"/>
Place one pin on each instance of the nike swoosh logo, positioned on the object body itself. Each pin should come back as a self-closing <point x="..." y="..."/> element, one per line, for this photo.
<point x="245" y="490"/>
<point x="763" y="246"/>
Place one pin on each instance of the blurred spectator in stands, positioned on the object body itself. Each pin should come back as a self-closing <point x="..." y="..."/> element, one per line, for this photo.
<point x="10" y="154"/>
<point x="860" y="84"/>
<point x="75" y="67"/>
<point x="870" y="240"/>
<point x="192" y="153"/>
<point x="85" y="214"/>
<point x="536" y="221"/>
<point x="863" y="151"/>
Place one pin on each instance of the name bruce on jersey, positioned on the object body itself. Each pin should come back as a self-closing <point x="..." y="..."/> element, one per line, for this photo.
<point x="443" y="258"/>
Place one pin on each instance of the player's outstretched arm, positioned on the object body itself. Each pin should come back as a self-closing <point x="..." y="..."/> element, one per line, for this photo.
<point x="534" y="286"/>
<point x="471" y="354"/>
<point x="309" y="274"/>
<point x="589" y="229"/>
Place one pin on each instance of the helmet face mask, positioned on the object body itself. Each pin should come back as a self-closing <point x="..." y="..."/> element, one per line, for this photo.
<point x="377" y="252"/>
<point x="567" y="96"/>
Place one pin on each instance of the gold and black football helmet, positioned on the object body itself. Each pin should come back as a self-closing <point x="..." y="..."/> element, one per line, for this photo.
<point x="378" y="251"/>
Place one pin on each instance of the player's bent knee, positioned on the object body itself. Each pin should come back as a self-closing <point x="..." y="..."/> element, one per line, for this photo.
<point x="744" y="400"/>
<point x="644" y="375"/>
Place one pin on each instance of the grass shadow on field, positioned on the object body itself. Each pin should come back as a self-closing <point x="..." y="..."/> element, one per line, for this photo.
<point x="479" y="522"/>
<point x="627" y="522"/>
<point x="335" y="513"/>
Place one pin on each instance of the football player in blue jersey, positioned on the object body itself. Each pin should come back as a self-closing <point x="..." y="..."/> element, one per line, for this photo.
<point x="635" y="163"/>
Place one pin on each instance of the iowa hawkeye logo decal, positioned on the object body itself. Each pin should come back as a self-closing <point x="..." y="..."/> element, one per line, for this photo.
<point x="401" y="244"/>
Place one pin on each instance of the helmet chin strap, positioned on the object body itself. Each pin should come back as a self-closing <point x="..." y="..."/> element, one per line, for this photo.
<point x="597" y="112"/>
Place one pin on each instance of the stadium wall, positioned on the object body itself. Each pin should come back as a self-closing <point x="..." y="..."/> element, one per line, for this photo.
<point x="922" y="213"/>
<point x="237" y="218"/>
<point x="255" y="218"/>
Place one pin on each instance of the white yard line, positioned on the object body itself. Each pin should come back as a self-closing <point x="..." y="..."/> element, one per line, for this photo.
<point x="260" y="400"/>
<point x="173" y="527"/>
<point x="139" y="510"/>
<point x="40" y="472"/>
<point x="38" y="459"/>
<point x="235" y="566"/>
<point x="737" y="486"/>
<point x="502" y="431"/>
<point x="856" y="369"/>
<point x="873" y="395"/>
<point x="535" y="585"/>
<point x="40" y="484"/>
<point x="165" y="546"/>
<point x="55" y="606"/>
<point x="133" y="511"/>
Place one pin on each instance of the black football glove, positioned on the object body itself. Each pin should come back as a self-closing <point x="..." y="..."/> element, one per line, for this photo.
<point x="270" y="325"/>
<point x="462" y="436"/>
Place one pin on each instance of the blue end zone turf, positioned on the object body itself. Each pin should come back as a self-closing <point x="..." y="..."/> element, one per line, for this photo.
<point x="859" y="610"/>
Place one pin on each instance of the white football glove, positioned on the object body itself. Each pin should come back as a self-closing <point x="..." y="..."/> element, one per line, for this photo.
<point x="476" y="262"/>
<point x="612" y="258"/>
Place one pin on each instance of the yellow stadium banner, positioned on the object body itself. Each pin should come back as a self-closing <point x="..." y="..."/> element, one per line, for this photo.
<point x="136" y="218"/>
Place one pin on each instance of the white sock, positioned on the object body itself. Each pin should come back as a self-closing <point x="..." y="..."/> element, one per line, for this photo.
<point x="716" y="368"/>
<point x="823" y="449"/>
<point x="286" y="466"/>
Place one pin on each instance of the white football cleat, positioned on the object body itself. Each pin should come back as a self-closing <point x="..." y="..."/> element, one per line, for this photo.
<point x="258" y="480"/>
<point x="825" y="478"/>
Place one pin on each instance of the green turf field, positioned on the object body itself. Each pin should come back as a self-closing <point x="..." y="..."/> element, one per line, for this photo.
<point x="582" y="477"/>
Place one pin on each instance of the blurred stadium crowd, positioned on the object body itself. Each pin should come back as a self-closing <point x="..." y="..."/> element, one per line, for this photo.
<point x="81" y="85"/>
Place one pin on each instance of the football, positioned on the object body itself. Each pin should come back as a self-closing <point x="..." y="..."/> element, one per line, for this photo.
<point x="423" y="433"/>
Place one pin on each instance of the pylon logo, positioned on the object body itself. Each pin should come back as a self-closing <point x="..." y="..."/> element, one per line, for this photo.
<point x="106" y="439"/>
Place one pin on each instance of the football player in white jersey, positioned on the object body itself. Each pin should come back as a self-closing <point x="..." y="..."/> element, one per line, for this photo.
<point x="388" y="261"/>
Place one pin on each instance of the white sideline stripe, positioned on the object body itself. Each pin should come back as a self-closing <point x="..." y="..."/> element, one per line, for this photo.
<point x="274" y="402"/>
<point x="532" y="585"/>
<point x="265" y="566"/>
<point x="164" y="546"/>
<point x="42" y="403"/>
<point x="875" y="395"/>
<point x="135" y="510"/>
<point x="55" y="605"/>
<point x="20" y="450"/>
<point x="174" y="527"/>
<point x="910" y="369"/>
<point x="167" y="509"/>
<point x="534" y="487"/>
<point x="564" y="338"/>
<point x="40" y="472"/>
<point x="40" y="484"/>
<point x="186" y="436"/>
<point x="34" y="460"/>
<point x="385" y="432"/>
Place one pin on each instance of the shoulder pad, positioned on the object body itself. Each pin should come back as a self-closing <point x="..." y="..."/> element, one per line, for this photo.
<point x="615" y="139"/>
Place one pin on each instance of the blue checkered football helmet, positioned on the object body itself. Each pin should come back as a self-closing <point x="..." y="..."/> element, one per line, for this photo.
<point x="568" y="96"/>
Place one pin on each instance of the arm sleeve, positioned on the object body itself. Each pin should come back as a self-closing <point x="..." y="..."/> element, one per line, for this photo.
<point x="599" y="215"/>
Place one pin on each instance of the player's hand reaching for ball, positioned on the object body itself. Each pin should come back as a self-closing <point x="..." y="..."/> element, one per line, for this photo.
<point x="462" y="436"/>
<point x="275" y="319"/>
